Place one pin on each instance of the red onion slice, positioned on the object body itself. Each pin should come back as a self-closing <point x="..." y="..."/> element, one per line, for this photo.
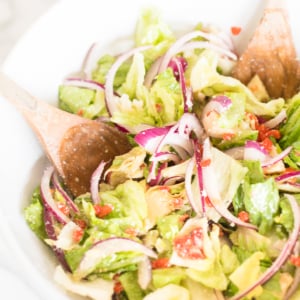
<point x="172" y="180"/>
<point x="89" y="61"/>
<point x="50" y="230"/>
<point x="157" y="174"/>
<point x="276" y="120"/>
<point x="165" y="156"/>
<point x="198" y="158"/>
<point x="150" y="138"/>
<point x="236" y="152"/>
<point x="189" y="123"/>
<point x="144" y="273"/>
<point x="287" y="176"/>
<point x="288" y="187"/>
<point x="109" y="84"/>
<point x="58" y="186"/>
<point x="177" y="46"/>
<point x="84" y="83"/>
<point x="152" y="72"/>
<point x="213" y="194"/>
<point x="254" y="151"/>
<point x="196" y="205"/>
<point x="108" y="247"/>
<point x="283" y="256"/>
<point x="208" y="45"/>
<point x="178" y="69"/>
<point x="96" y="176"/>
<point x="294" y="286"/>
<point x="277" y="158"/>
<point x="48" y="200"/>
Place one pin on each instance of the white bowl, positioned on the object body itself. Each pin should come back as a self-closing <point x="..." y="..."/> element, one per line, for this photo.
<point x="54" y="47"/>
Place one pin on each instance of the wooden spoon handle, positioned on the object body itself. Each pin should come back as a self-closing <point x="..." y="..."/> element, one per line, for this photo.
<point x="15" y="94"/>
<point x="48" y="122"/>
<point x="271" y="53"/>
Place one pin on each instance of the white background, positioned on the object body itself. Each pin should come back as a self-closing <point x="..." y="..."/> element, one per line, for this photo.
<point x="16" y="16"/>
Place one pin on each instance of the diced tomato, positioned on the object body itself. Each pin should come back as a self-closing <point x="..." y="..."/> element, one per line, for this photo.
<point x="214" y="113"/>
<point x="191" y="245"/>
<point x="235" y="30"/>
<point x="252" y="120"/>
<point x="80" y="112"/>
<point x="77" y="235"/>
<point x="118" y="288"/>
<point x="63" y="208"/>
<point x="295" y="260"/>
<point x="158" y="107"/>
<point x="207" y="201"/>
<point x="205" y="162"/>
<point x="81" y="223"/>
<point x="289" y="170"/>
<point x="267" y="144"/>
<point x="243" y="216"/>
<point x="184" y="217"/>
<point x="164" y="188"/>
<point x="160" y="263"/>
<point x="265" y="132"/>
<point x="178" y="203"/>
<point x="131" y="231"/>
<point x="102" y="210"/>
<point x="228" y="136"/>
<point x="274" y="133"/>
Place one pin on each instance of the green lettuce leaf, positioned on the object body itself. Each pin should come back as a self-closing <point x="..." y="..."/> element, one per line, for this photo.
<point x="276" y="287"/>
<point x="127" y="166"/>
<point x="262" y="203"/>
<point x="169" y="226"/>
<point x="199" y="291"/>
<point x="248" y="273"/>
<point x="85" y="102"/>
<point x="152" y="30"/>
<point x="34" y="213"/>
<point x="228" y="175"/>
<point x="285" y="217"/>
<point x="229" y="260"/>
<point x="167" y="95"/>
<point x="290" y="129"/>
<point x="169" y="292"/>
<point x="213" y="278"/>
<point x="250" y="241"/>
<point x="165" y="276"/>
<point x="129" y="281"/>
<point x="205" y="78"/>
<point x="104" y="64"/>
<point x="129" y="207"/>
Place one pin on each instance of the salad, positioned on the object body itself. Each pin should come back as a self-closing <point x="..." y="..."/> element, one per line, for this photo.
<point x="206" y="203"/>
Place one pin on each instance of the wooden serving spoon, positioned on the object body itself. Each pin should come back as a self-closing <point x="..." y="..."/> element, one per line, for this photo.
<point x="74" y="145"/>
<point x="271" y="54"/>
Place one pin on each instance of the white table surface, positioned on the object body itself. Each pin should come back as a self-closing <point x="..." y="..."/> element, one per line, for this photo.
<point x="16" y="17"/>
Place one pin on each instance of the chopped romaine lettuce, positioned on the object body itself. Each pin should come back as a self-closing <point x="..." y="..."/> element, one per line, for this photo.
<point x="131" y="287"/>
<point x="167" y="96"/>
<point x="262" y="203"/>
<point x="164" y="276"/>
<point x="290" y="129"/>
<point x="248" y="273"/>
<point x="82" y="101"/>
<point x="152" y="30"/>
<point x="205" y="78"/>
<point x="34" y="213"/>
<point x="104" y="64"/>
